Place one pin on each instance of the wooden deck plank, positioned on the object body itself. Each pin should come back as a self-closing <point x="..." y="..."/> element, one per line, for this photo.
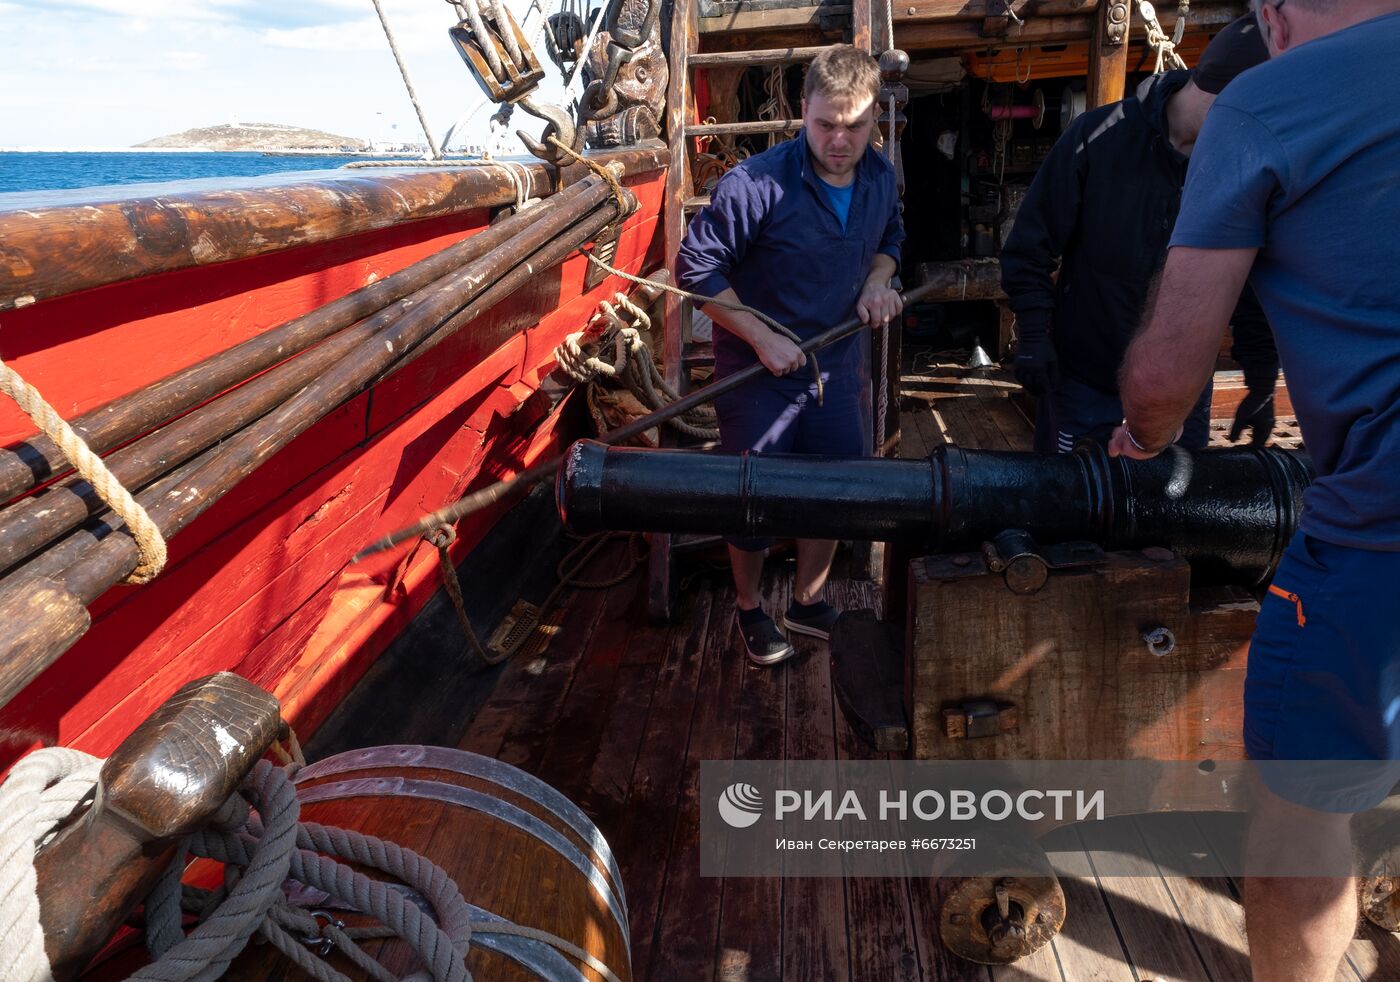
<point x="1157" y="942"/>
<point x="814" y="908"/>
<point x="751" y="908"/>
<point x="926" y="896"/>
<point x="644" y="835"/>
<point x="509" y="724"/>
<point x="911" y="439"/>
<point x="1015" y="427"/>
<point x="688" y="928"/>
<point x="1208" y="905"/>
<point x="879" y="921"/>
<point x="597" y="698"/>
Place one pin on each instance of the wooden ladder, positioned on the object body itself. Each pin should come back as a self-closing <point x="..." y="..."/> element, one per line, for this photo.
<point x="680" y="352"/>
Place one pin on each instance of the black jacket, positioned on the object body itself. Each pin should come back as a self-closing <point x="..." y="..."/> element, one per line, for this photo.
<point x="1101" y="211"/>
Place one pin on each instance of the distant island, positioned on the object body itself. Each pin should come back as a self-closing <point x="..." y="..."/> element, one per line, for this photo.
<point x="258" y="136"/>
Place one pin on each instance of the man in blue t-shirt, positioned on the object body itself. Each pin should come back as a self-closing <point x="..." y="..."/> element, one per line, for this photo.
<point x="809" y="233"/>
<point x="1295" y="185"/>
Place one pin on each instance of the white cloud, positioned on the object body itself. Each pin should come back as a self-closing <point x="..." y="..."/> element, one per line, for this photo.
<point x="118" y="72"/>
<point x="362" y="35"/>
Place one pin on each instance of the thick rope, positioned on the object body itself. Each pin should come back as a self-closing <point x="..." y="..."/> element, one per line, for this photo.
<point x="40" y="791"/>
<point x="407" y="84"/>
<point x="632" y="364"/>
<point x="205" y="954"/>
<point x="261" y="851"/>
<point x="883" y="400"/>
<point x="701" y="300"/>
<point x="90" y="466"/>
<point x="442" y="538"/>
<point x="1162" y="46"/>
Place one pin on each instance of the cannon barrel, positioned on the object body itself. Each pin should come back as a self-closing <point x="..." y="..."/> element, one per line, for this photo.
<point x="1229" y="512"/>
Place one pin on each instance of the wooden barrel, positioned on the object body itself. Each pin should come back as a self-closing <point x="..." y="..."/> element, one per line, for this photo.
<point x="519" y="850"/>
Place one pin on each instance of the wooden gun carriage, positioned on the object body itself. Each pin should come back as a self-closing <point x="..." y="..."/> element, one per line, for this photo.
<point x="1050" y="607"/>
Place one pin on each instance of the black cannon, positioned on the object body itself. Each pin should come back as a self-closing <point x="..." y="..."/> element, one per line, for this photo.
<point x="1067" y="607"/>
<point x="1229" y="512"/>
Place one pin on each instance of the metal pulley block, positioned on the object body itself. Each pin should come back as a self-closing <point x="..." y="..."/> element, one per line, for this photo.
<point x="495" y="49"/>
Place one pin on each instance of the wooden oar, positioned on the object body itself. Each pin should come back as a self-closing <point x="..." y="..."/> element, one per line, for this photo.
<point x="488" y="496"/>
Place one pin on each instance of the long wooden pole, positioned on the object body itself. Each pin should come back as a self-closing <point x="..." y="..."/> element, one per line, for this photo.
<point x="30" y="524"/>
<point x="490" y="495"/>
<point x="28" y="463"/>
<point x="99" y="563"/>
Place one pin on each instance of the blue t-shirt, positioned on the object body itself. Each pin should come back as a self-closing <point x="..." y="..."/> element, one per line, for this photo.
<point x="1300" y="158"/>
<point x="838" y="198"/>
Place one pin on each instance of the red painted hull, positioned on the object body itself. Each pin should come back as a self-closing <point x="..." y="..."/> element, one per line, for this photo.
<point x="260" y="584"/>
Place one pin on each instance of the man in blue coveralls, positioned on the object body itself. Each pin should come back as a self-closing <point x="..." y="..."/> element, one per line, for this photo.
<point x="809" y="233"/>
<point x="1295" y="185"/>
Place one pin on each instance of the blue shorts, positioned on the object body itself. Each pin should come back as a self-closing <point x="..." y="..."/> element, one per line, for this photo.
<point x="1328" y="688"/>
<point x="780" y="415"/>
<point x="1075" y="410"/>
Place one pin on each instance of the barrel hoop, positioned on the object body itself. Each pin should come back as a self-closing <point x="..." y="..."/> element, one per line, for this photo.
<point x="485" y="768"/>
<point x="504" y="811"/>
<point x="536" y="956"/>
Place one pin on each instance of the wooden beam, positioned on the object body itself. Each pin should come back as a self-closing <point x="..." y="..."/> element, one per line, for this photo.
<point x="1108" y="54"/>
<point x="862" y="28"/>
<point x="743" y="129"/>
<point x="747" y="59"/>
<point x="684" y="42"/>
<point x="59" y="242"/>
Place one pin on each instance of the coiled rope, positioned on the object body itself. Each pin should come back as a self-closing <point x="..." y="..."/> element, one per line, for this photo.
<point x="632" y="365"/>
<point x="149" y="540"/>
<point x="262" y="847"/>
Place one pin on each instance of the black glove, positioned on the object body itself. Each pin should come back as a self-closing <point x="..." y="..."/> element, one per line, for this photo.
<point x="1037" y="365"/>
<point x="1256" y="413"/>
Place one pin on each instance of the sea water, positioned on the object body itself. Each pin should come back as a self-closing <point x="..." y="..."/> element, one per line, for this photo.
<point x="49" y="171"/>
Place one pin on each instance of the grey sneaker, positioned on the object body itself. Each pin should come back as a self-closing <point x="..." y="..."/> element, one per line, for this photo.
<point x="814" y="623"/>
<point x="763" y="642"/>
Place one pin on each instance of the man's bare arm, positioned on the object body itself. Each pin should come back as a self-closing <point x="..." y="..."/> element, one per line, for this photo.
<point x="1173" y="356"/>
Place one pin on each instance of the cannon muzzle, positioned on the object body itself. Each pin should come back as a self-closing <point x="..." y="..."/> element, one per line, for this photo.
<point x="1229" y="512"/>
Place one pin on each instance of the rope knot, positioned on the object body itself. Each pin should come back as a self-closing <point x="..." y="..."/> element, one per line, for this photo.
<point x="150" y="543"/>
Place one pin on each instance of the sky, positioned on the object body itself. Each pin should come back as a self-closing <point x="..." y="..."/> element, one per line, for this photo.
<point x="112" y="73"/>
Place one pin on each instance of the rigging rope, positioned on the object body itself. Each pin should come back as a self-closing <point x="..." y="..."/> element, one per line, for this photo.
<point x="263" y="848"/>
<point x="1162" y="46"/>
<point x="403" y="71"/>
<point x="149" y="540"/>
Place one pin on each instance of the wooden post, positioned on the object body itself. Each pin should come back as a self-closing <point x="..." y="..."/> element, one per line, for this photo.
<point x="1108" y="53"/>
<point x="862" y="30"/>
<point x="684" y="41"/>
<point x="165" y="781"/>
